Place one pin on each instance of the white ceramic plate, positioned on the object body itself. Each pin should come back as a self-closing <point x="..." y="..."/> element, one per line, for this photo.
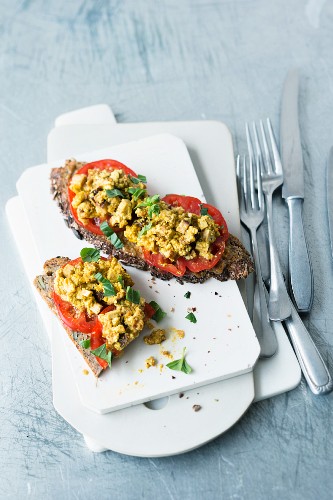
<point x="222" y="344"/>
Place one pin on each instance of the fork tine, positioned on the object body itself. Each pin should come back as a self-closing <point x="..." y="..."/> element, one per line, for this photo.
<point x="267" y="158"/>
<point x="245" y="183"/>
<point x="259" y="184"/>
<point x="276" y="156"/>
<point x="252" y="188"/>
<point x="249" y="142"/>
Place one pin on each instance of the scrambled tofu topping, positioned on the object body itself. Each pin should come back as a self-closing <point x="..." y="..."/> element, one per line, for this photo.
<point x="93" y="201"/>
<point x="147" y="222"/>
<point x="78" y="285"/>
<point x="173" y="232"/>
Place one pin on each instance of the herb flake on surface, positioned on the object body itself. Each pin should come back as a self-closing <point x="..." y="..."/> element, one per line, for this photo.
<point x="187" y="295"/>
<point x="191" y="317"/>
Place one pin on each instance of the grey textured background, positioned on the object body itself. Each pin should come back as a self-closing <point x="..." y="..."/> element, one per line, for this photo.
<point x="161" y="60"/>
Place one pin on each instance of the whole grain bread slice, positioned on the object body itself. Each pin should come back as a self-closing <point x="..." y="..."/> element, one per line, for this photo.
<point x="44" y="285"/>
<point x="235" y="264"/>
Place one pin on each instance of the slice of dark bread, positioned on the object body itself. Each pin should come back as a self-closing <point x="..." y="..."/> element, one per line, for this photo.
<point x="44" y="285"/>
<point x="235" y="264"/>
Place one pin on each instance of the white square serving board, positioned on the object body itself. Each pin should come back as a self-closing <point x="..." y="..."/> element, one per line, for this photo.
<point x="222" y="344"/>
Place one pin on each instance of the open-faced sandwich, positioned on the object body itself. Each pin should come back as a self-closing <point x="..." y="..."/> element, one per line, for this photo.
<point x="107" y="204"/>
<point x="96" y="303"/>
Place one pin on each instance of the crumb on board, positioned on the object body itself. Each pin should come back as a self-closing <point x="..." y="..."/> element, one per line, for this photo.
<point x="181" y="394"/>
<point x="172" y="376"/>
<point x="140" y="370"/>
<point x="172" y="309"/>
<point x="156" y="337"/>
<point x="150" y="325"/>
<point x="179" y="333"/>
<point x="136" y="382"/>
<point x="85" y="372"/>
<point x="161" y="366"/>
<point x="151" y="361"/>
<point x="196" y="407"/>
<point x="167" y="354"/>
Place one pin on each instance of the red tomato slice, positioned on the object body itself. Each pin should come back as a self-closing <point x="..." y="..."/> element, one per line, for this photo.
<point x="191" y="205"/>
<point x="159" y="261"/>
<point x="76" y="320"/>
<point x="93" y="224"/>
<point x="194" y="205"/>
<point x="200" y="263"/>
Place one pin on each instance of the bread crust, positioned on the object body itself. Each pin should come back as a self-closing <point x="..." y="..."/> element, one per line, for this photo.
<point x="44" y="285"/>
<point x="235" y="264"/>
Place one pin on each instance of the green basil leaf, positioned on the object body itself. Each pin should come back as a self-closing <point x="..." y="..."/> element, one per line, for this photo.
<point x="149" y="201"/>
<point x="113" y="193"/>
<point x="106" y="229"/>
<point x="103" y="353"/>
<point x="136" y="193"/>
<point x="187" y="295"/>
<point x="90" y="254"/>
<point x="191" y="318"/>
<point x="85" y="343"/>
<point x="159" y="313"/>
<point x="203" y="210"/>
<point x="132" y="295"/>
<point x="144" y="230"/>
<point x="186" y="367"/>
<point x="111" y="235"/>
<point x="181" y="364"/>
<point x="154" y="209"/>
<point x="175" y="365"/>
<point x="138" y="179"/>
<point x="109" y="290"/>
<point x="121" y="280"/>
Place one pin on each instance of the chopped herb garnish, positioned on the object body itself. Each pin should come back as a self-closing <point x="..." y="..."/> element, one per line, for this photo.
<point x="90" y="254"/>
<point x="85" y="343"/>
<point x="109" y="290"/>
<point x="121" y="280"/>
<point x="136" y="192"/>
<point x="111" y="235"/>
<point x="103" y="353"/>
<point x="159" y="313"/>
<point x="204" y="210"/>
<point x="187" y="295"/>
<point x="132" y="295"/>
<point x="144" y="230"/>
<point x="191" y="318"/>
<point x="138" y="179"/>
<point x="113" y="193"/>
<point x="152" y="204"/>
<point x="181" y="364"/>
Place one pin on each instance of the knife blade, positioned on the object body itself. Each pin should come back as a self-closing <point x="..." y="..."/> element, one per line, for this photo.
<point x="329" y="187"/>
<point x="300" y="270"/>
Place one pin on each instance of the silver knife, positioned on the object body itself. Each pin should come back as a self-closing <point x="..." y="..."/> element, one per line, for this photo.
<point x="329" y="187"/>
<point x="300" y="270"/>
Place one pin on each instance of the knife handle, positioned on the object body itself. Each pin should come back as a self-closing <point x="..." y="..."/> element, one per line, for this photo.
<point x="300" y="271"/>
<point x="313" y="367"/>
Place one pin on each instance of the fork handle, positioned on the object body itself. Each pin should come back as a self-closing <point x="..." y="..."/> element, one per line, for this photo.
<point x="279" y="303"/>
<point x="261" y="323"/>
<point x="313" y="367"/>
<point x="300" y="271"/>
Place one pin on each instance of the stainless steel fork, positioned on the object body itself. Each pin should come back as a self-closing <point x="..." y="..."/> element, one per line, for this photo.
<point x="252" y="214"/>
<point x="272" y="177"/>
